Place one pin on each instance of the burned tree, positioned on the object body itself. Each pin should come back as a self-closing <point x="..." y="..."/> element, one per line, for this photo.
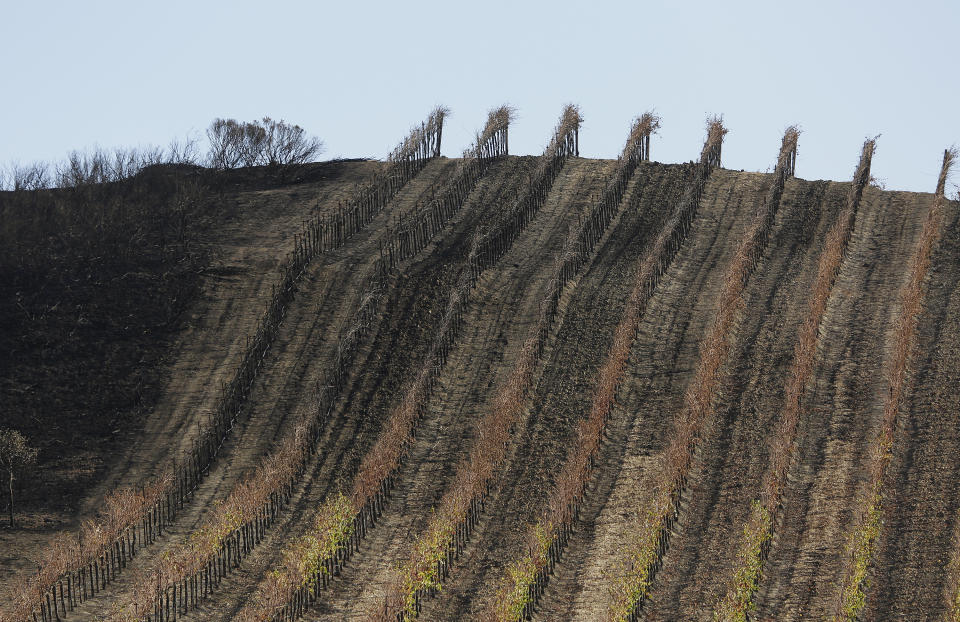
<point x="15" y="456"/>
<point x="260" y="143"/>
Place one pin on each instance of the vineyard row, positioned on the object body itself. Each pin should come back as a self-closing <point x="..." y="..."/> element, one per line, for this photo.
<point x="528" y="576"/>
<point x="754" y="548"/>
<point x="851" y="596"/>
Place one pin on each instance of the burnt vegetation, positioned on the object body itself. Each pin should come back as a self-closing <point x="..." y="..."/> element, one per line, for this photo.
<point x="100" y="255"/>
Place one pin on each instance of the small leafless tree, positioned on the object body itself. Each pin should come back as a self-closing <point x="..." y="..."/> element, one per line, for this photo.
<point x="259" y="143"/>
<point x="182" y="151"/>
<point x="225" y="138"/>
<point x="288" y="144"/>
<point x="15" y="456"/>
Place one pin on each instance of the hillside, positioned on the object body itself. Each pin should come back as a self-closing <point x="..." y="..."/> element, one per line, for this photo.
<point x="484" y="297"/>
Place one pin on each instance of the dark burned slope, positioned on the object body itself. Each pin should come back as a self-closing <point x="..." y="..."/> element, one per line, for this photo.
<point x="306" y="325"/>
<point x="245" y="249"/>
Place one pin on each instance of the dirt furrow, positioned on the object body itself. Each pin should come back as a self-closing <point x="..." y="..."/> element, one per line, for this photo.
<point x="908" y="580"/>
<point x="733" y="454"/>
<point x="661" y="364"/>
<point x="845" y="409"/>
<point x="304" y="347"/>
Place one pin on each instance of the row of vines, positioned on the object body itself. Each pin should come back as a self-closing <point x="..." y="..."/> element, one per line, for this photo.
<point x="410" y="235"/>
<point x="527" y="576"/>
<point x="341" y="521"/>
<point x="851" y="593"/>
<point x="443" y="542"/>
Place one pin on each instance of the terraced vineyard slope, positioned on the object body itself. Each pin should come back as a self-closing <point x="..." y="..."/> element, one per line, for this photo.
<point x="504" y="387"/>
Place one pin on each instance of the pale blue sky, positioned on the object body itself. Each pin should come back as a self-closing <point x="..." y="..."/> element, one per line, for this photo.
<point x="358" y="74"/>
